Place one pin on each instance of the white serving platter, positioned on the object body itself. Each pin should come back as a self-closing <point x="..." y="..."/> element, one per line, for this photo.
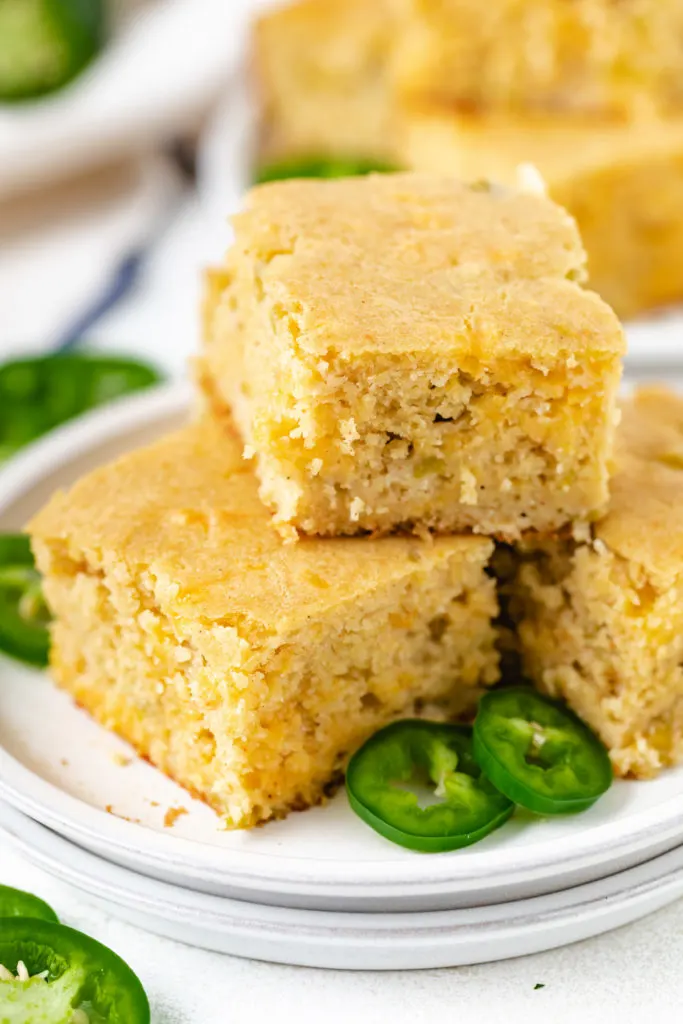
<point x="60" y="768"/>
<point x="352" y="941"/>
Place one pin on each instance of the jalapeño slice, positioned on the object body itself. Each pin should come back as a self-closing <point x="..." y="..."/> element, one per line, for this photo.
<point x="463" y="807"/>
<point x="538" y="753"/>
<point x="24" y="616"/>
<point x="50" y="971"/>
<point x="41" y="392"/>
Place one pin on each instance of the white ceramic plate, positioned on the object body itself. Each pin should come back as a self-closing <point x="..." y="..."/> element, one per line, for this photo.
<point x="356" y="941"/>
<point x="59" y="767"/>
<point x="655" y="342"/>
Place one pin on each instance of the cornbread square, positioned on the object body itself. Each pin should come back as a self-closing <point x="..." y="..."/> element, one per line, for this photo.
<point x="600" y="620"/>
<point x="244" y="668"/>
<point x="602" y="58"/>
<point x="318" y="69"/>
<point x="622" y="183"/>
<point x="409" y="351"/>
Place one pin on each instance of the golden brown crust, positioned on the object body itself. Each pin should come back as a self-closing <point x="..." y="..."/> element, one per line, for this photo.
<point x="396" y="263"/>
<point x="368" y="263"/>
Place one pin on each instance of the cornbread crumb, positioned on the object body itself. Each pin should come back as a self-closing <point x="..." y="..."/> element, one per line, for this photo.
<point x="122" y="760"/>
<point x="172" y="815"/>
<point x="458" y="353"/>
<point x="600" y="619"/>
<point x="297" y="653"/>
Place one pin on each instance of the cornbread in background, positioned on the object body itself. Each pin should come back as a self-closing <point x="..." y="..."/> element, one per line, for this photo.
<point x="244" y="668"/>
<point x="319" y="72"/>
<point x="622" y="182"/>
<point x="330" y="74"/>
<point x="600" y="621"/>
<point x="602" y="58"/>
<point x="409" y="351"/>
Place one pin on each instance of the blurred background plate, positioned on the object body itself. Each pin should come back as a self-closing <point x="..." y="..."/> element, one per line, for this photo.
<point x="168" y="60"/>
<point x="60" y="768"/>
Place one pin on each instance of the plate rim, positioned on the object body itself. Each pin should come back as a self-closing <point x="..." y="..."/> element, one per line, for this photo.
<point x="90" y="825"/>
<point x="78" y="865"/>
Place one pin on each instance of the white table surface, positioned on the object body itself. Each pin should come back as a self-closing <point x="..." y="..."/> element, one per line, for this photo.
<point x="632" y="975"/>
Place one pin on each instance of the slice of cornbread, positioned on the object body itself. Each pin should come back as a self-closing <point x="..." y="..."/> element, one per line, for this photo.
<point x="623" y="183"/>
<point x="319" y="74"/>
<point x="601" y="620"/>
<point x="407" y="350"/>
<point x="244" y="668"/>
<point x="601" y="57"/>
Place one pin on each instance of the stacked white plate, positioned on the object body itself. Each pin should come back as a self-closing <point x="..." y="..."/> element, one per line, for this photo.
<point x="319" y="888"/>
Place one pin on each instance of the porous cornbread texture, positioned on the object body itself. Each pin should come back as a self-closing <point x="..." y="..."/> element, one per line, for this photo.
<point x="318" y="69"/>
<point x="244" y="668"/>
<point x="600" y="621"/>
<point x="407" y="350"/>
<point x="596" y="57"/>
<point x="622" y="183"/>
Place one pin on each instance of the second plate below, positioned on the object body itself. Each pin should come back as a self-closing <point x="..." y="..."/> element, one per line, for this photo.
<point x="348" y="941"/>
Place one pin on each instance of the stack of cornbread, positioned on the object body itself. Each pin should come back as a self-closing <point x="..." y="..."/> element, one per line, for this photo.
<point x="398" y="371"/>
<point x="588" y="91"/>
